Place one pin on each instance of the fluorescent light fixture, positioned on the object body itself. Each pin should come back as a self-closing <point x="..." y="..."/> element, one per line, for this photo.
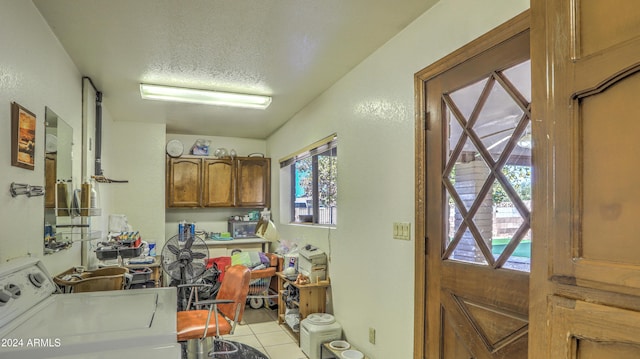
<point x="207" y="97"/>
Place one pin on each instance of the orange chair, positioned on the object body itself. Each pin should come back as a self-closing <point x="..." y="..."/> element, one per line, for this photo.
<point x="227" y="310"/>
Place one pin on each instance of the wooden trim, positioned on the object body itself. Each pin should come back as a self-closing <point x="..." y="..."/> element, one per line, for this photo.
<point x="542" y="156"/>
<point x="504" y="32"/>
<point x="419" y="324"/>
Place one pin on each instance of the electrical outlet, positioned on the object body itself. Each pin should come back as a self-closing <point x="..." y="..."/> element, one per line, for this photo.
<point x="372" y="335"/>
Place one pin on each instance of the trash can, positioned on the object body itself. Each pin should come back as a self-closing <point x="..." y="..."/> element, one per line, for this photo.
<point x="316" y="329"/>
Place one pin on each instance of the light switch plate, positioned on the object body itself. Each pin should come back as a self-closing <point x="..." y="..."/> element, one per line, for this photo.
<point x="402" y="230"/>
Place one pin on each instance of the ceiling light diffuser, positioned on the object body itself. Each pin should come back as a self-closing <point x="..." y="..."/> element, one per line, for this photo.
<point x="207" y="97"/>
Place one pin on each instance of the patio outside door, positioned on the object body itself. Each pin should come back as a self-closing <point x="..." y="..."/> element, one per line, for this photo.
<point x="477" y="198"/>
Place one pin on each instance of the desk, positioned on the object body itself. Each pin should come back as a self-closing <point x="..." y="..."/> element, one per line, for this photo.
<point x="335" y="352"/>
<point x="224" y="248"/>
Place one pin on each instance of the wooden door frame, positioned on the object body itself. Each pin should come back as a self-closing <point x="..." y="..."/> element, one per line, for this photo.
<point x="504" y="32"/>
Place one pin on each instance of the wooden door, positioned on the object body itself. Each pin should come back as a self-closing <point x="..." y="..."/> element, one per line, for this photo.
<point x="184" y="182"/>
<point x="475" y="164"/>
<point x="585" y="298"/>
<point x="219" y="183"/>
<point x="253" y="188"/>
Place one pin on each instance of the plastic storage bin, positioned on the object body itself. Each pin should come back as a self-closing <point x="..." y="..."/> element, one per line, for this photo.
<point x="104" y="253"/>
<point x="316" y="329"/>
<point x="140" y="275"/>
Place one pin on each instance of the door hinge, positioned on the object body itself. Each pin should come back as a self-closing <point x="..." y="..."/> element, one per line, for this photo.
<point x="426" y="245"/>
<point x="426" y="124"/>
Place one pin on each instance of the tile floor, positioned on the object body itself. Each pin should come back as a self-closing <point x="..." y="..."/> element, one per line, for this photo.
<point x="260" y="329"/>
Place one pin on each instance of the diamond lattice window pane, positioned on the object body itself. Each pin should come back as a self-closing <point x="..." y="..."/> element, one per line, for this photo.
<point x="467" y="97"/>
<point x="497" y="121"/>
<point x="481" y="217"/>
<point x="506" y="220"/>
<point x="520" y="77"/>
<point x="521" y="258"/>
<point x="467" y="177"/>
<point x="455" y="132"/>
<point x="467" y="250"/>
<point x="454" y="220"/>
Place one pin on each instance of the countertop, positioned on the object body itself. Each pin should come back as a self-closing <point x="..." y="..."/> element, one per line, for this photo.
<point x="213" y="242"/>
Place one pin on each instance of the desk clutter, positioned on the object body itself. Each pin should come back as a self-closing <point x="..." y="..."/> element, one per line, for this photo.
<point x="124" y="245"/>
<point x="78" y="280"/>
<point x="128" y="276"/>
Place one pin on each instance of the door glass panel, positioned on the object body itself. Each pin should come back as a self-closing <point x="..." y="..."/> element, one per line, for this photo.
<point x="467" y="97"/>
<point x="455" y="132"/>
<point x="454" y="220"/>
<point x="506" y="220"/>
<point x="497" y="120"/>
<point x="467" y="176"/>
<point x="520" y="259"/>
<point x="520" y="78"/>
<point x="496" y="217"/>
<point x="483" y="219"/>
<point x="467" y="250"/>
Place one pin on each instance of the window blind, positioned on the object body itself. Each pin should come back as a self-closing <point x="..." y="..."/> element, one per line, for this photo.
<point x="313" y="149"/>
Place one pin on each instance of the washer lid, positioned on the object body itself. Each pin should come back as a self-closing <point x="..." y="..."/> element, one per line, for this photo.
<point x="320" y="318"/>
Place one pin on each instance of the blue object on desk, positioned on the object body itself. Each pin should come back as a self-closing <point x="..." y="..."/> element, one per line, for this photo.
<point x="219" y="238"/>
<point x="143" y="260"/>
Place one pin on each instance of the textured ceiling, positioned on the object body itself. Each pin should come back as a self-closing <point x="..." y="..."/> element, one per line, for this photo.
<point x="292" y="50"/>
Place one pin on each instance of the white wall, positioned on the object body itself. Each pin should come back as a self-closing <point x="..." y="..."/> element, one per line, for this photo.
<point x="35" y="72"/>
<point x="372" y="111"/>
<point x="134" y="152"/>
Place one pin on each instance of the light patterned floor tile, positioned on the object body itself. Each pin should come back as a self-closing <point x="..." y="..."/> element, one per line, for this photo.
<point x="274" y="338"/>
<point x="240" y="331"/>
<point x="285" y="351"/>
<point x="265" y="327"/>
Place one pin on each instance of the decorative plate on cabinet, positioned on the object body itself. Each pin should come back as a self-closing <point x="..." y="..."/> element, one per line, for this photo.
<point x="175" y="148"/>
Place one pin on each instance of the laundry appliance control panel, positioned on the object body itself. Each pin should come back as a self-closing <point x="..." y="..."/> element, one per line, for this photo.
<point x="24" y="283"/>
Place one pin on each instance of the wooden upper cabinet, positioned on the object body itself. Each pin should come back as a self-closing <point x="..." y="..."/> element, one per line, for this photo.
<point x="210" y="182"/>
<point x="184" y="182"/>
<point x="219" y="183"/>
<point x="253" y="182"/>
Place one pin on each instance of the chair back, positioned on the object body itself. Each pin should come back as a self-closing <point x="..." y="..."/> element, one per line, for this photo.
<point x="234" y="287"/>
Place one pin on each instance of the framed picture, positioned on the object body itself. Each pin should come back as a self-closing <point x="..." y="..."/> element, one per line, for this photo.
<point x="23" y="137"/>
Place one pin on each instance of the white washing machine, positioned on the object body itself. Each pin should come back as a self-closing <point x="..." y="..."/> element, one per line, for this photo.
<point x="36" y="323"/>
<point x="316" y="329"/>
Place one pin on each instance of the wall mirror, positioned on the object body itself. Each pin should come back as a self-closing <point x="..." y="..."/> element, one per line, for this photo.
<point x="59" y="188"/>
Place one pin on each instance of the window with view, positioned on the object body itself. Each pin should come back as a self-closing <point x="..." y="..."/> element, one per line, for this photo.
<point x="313" y="181"/>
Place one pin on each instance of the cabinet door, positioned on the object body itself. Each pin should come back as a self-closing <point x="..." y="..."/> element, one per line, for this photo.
<point x="253" y="182"/>
<point x="184" y="184"/>
<point x="219" y="183"/>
